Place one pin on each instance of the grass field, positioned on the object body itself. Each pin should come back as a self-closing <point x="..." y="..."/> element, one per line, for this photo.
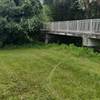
<point x="53" y="72"/>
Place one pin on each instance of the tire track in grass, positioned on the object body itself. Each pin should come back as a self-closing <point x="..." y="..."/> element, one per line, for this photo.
<point x="52" y="71"/>
<point x="51" y="74"/>
<point x="48" y="84"/>
<point x="49" y="80"/>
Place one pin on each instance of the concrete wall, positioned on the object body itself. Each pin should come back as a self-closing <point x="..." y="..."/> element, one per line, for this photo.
<point x="90" y="42"/>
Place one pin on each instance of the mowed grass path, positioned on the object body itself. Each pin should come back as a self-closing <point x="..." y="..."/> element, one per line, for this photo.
<point x="49" y="73"/>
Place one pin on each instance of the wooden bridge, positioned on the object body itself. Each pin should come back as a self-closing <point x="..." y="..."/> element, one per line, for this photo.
<point x="88" y="30"/>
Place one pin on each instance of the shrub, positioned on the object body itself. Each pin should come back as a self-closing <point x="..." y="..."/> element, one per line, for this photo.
<point x="19" y="20"/>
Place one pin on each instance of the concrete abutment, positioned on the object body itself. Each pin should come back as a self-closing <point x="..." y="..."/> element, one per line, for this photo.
<point x="91" y="42"/>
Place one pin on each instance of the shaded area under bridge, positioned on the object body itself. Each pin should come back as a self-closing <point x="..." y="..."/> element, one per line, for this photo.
<point x="88" y="30"/>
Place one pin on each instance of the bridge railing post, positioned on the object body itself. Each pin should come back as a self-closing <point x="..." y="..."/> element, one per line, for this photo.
<point x="67" y="26"/>
<point x="58" y="26"/>
<point x="77" y="26"/>
<point x="52" y="26"/>
<point x="91" y="26"/>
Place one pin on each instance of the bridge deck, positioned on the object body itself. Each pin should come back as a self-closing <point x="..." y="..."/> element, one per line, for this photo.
<point x="90" y="27"/>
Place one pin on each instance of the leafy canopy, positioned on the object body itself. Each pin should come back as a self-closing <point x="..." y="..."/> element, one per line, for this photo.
<point x="19" y="20"/>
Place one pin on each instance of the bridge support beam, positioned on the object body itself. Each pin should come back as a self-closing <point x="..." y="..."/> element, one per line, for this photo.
<point x="47" y="37"/>
<point x="90" y="42"/>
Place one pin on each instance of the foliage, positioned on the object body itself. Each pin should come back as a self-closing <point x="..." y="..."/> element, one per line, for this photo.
<point x="73" y="9"/>
<point x="65" y="9"/>
<point x="94" y="10"/>
<point x="19" y="20"/>
<point x="46" y="14"/>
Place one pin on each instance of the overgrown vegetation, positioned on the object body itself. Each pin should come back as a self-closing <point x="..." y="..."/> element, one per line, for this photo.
<point x="20" y="21"/>
<point x="73" y="9"/>
<point x="59" y="72"/>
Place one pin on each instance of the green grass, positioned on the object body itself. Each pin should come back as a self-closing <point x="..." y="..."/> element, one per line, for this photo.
<point x="52" y="72"/>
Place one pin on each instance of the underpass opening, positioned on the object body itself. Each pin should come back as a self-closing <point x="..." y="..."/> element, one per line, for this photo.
<point x="63" y="39"/>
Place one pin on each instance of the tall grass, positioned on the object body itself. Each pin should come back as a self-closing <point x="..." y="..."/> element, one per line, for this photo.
<point x="49" y="72"/>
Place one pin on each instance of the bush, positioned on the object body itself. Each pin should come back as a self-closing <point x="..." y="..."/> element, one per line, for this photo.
<point x="19" y="21"/>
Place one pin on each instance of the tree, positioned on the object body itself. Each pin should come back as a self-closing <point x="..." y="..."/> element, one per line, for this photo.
<point x="91" y="8"/>
<point x="19" y="20"/>
<point x="76" y="11"/>
<point x="65" y="9"/>
<point x="46" y="14"/>
<point x="95" y="10"/>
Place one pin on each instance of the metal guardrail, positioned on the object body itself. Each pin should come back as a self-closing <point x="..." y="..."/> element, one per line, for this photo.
<point x="81" y="26"/>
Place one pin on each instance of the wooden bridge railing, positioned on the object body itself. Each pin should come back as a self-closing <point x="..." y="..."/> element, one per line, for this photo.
<point x="81" y="26"/>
